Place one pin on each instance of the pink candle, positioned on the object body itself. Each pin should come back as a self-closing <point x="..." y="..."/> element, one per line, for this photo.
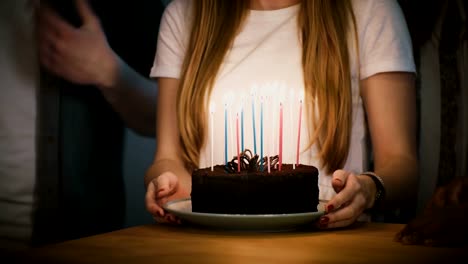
<point x="280" y="138"/>
<point x="299" y="133"/>
<point x="237" y="139"/>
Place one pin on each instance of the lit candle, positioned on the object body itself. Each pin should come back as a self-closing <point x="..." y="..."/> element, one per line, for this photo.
<point x="280" y="161"/>
<point x="237" y="139"/>
<point x="274" y="118"/>
<point x="212" y="132"/>
<point x="242" y="126"/>
<point x="267" y="136"/>
<point x="261" y="133"/>
<point x="225" y="135"/>
<point x="299" y="133"/>
<point x="232" y="136"/>
<point x="253" y="122"/>
<point x="291" y="117"/>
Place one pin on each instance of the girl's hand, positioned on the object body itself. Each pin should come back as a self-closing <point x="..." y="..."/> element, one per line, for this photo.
<point x="161" y="190"/>
<point x="354" y="194"/>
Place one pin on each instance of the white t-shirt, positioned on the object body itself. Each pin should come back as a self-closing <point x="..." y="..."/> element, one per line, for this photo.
<point x="264" y="66"/>
<point x="19" y="82"/>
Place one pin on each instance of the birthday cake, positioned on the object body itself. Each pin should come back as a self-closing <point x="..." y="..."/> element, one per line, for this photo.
<point x="250" y="186"/>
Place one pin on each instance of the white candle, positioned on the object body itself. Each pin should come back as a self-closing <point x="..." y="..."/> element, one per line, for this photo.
<point x="212" y="109"/>
<point x="291" y="102"/>
<point x="299" y="132"/>
<point x="253" y="92"/>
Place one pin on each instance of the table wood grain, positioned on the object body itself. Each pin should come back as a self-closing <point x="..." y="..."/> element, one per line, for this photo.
<point x="362" y="243"/>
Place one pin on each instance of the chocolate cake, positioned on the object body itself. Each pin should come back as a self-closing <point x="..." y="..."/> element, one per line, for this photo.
<point x="254" y="190"/>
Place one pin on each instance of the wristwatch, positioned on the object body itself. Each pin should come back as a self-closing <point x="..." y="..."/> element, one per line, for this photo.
<point x="380" y="191"/>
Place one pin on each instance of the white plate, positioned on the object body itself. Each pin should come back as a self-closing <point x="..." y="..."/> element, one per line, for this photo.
<point x="269" y="222"/>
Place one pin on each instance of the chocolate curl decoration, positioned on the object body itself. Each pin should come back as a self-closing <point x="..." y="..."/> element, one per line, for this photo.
<point x="273" y="161"/>
<point x="249" y="162"/>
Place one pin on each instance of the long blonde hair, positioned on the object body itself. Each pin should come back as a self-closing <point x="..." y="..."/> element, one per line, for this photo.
<point x="324" y="28"/>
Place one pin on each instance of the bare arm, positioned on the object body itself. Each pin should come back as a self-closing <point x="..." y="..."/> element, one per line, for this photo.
<point x="168" y="151"/>
<point x="132" y="96"/>
<point x="390" y="103"/>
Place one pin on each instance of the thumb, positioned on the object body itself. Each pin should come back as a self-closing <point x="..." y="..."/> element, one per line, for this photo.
<point x="166" y="184"/>
<point x="85" y="12"/>
<point x="339" y="180"/>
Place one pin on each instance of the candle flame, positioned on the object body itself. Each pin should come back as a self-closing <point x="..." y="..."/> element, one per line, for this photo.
<point x="253" y="89"/>
<point x="282" y="92"/>
<point x="292" y="95"/>
<point x="301" y="95"/>
<point x="228" y="99"/>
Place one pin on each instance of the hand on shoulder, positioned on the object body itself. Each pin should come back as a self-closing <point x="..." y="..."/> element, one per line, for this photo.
<point x="81" y="54"/>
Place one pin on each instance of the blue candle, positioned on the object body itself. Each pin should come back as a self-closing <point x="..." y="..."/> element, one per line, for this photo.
<point x="225" y="136"/>
<point x="261" y="134"/>
<point x="253" y="125"/>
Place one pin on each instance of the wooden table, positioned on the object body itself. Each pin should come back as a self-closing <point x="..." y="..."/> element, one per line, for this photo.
<point x="365" y="243"/>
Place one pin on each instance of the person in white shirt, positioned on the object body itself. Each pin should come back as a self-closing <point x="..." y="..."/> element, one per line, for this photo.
<point x="351" y="60"/>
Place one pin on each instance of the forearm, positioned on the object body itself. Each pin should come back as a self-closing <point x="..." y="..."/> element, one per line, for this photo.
<point x="165" y="165"/>
<point x="132" y="95"/>
<point x="400" y="177"/>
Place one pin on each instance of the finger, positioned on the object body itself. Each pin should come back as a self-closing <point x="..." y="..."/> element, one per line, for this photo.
<point x="150" y="200"/>
<point x="456" y="194"/>
<point x="159" y="220"/>
<point x="339" y="179"/>
<point x="165" y="186"/>
<point x="85" y="12"/>
<point x="406" y="235"/>
<point x="173" y="219"/>
<point x="167" y="219"/>
<point x="342" y="223"/>
<point x="411" y="238"/>
<point x="352" y="186"/>
<point x="438" y="199"/>
<point x="49" y="59"/>
<point x="50" y="64"/>
<point x="345" y="215"/>
<point x="47" y="40"/>
<point x="50" y="20"/>
<point x="398" y="236"/>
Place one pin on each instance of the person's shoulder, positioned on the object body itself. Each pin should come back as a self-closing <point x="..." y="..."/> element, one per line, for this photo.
<point x="365" y="8"/>
<point x="178" y="6"/>
<point x="375" y="11"/>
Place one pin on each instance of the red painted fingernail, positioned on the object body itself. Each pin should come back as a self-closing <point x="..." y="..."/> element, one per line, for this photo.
<point x="324" y="221"/>
<point x="337" y="180"/>
<point x="330" y="208"/>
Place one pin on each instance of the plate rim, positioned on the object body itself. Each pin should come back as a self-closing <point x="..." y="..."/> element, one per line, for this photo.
<point x="191" y="213"/>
